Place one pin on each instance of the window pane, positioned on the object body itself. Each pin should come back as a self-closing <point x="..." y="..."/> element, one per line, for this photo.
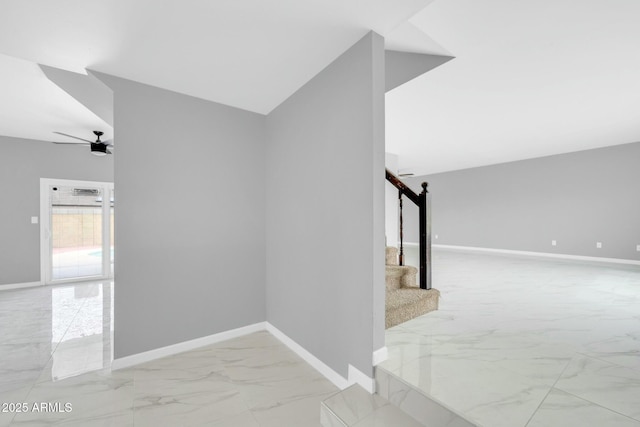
<point x="76" y="228"/>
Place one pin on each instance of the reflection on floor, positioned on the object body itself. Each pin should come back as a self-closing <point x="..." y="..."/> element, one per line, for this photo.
<point x="51" y="333"/>
<point x="74" y="262"/>
<point x="526" y="342"/>
<point x="55" y="347"/>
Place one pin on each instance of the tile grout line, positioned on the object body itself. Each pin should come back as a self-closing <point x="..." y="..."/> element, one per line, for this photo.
<point x="569" y="278"/>
<point x="607" y="362"/>
<point x="549" y="391"/>
<point x="580" y="397"/>
<point x="598" y="405"/>
<point x="331" y="410"/>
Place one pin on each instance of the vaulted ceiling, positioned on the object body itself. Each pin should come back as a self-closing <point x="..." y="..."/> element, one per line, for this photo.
<point x="250" y="54"/>
<point x="528" y="79"/>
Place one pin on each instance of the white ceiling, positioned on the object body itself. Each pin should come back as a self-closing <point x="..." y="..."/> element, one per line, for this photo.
<point x="32" y="107"/>
<point x="250" y="54"/>
<point x="530" y="78"/>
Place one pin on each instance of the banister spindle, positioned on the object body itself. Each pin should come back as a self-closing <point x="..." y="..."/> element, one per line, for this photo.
<point x="401" y="255"/>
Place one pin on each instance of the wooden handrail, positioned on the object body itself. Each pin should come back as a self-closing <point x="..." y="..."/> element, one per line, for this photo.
<point x="402" y="187"/>
<point x="421" y="200"/>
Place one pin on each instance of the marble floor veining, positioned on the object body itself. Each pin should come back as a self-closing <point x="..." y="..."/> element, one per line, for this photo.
<point x="517" y="342"/>
<point x="55" y="348"/>
<point x="523" y="341"/>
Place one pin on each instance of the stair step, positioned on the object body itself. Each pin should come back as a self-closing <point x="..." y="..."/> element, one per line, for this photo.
<point x="397" y="276"/>
<point x="405" y="304"/>
<point x="415" y="403"/>
<point x="391" y="255"/>
<point x="353" y="406"/>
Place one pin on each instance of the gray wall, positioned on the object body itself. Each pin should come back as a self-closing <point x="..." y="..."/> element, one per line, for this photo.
<point x="325" y="210"/>
<point x="577" y="199"/>
<point x="190" y="226"/>
<point x="22" y="163"/>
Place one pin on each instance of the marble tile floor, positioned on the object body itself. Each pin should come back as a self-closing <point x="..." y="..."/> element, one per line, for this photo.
<point x="524" y="341"/>
<point x="55" y="347"/>
<point x="356" y="407"/>
<point x="54" y="332"/>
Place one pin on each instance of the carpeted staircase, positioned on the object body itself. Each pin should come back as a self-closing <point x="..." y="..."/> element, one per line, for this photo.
<point x="405" y="300"/>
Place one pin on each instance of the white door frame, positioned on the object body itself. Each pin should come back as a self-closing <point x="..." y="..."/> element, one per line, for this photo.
<point x="45" y="228"/>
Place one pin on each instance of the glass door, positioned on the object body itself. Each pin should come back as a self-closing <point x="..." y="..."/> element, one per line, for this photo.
<point x="77" y="230"/>
<point x="111" y="228"/>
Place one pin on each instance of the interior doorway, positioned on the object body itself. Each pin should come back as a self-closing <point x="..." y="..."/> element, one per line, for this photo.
<point x="76" y="231"/>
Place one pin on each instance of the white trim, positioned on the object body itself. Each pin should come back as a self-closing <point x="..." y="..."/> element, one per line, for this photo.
<point x="355" y="376"/>
<point x="20" y="285"/>
<point x="358" y="377"/>
<point x="380" y="355"/>
<point x="337" y="379"/>
<point x="106" y="230"/>
<point x="79" y="279"/>
<point x="541" y="254"/>
<point x="45" y="226"/>
<point x="158" y="353"/>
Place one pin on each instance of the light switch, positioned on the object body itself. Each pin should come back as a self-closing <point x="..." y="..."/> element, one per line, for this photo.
<point x="34" y="220"/>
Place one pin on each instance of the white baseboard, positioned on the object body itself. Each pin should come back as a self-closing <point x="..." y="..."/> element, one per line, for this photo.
<point x="358" y="377"/>
<point x="337" y="379"/>
<point x="541" y="254"/>
<point x="380" y="355"/>
<point x="158" y="353"/>
<point x="355" y="376"/>
<point x="20" y="285"/>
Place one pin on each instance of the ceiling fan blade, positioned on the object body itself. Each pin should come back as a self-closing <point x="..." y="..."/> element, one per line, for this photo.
<point x="72" y="143"/>
<point x="108" y="143"/>
<point x="109" y="152"/>
<point x="74" y="137"/>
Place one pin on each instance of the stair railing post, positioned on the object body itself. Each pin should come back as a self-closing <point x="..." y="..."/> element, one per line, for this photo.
<point x="401" y="254"/>
<point x="428" y="211"/>
<point x="424" y="210"/>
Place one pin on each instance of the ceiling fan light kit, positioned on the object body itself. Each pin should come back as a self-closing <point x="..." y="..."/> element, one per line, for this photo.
<point x="98" y="149"/>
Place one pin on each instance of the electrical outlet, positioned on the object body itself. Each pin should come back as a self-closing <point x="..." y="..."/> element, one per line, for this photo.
<point x="436" y="236"/>
<point x="638" y="248"/>
<point x="599" y="245"/>
<point x="553" y="243"/>
<point x="34" y="220"/>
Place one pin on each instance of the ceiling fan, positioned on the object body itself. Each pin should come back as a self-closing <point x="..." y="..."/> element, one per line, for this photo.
<point x="98" y="148"/>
